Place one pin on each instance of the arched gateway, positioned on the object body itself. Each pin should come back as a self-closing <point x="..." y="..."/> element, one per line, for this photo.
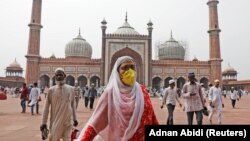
<point x="137" y="58"/>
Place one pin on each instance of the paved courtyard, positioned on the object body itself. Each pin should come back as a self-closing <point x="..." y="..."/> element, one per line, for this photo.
<point x="15" y="126"/>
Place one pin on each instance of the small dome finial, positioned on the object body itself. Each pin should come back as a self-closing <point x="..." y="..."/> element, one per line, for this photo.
<point x="79" y="31"/>
<point x="53" y="55"/>
<point x="126" y="17"/>
<point x="104" y="22"/>
<point x="171" y="34"/>
<point x="150" y="23"/>
<point x="195" y="58"/>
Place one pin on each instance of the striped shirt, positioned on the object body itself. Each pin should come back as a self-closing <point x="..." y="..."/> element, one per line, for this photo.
<point x="195" y="102"/>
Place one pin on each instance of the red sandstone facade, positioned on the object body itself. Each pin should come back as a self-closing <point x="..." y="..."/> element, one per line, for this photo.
<point x="155" y="73"/>
<point x="152" y="73"/>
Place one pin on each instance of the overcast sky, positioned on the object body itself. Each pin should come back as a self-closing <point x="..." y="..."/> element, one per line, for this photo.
<point x="188" y="19"/>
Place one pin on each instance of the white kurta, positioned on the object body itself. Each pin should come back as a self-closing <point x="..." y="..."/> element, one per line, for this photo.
<point x="233" y="94"/>
<point x="203" y="91"/>
<point x="61" y="99"/>
<point x="170" y="96"/>
<point x="34" y="95"/>
<point x="215" y="96"/>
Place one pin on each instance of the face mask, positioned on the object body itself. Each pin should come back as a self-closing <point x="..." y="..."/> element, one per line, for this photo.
<point x="128" y="77"/>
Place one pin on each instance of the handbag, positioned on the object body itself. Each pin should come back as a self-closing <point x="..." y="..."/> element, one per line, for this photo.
<point x="205" y="111"/>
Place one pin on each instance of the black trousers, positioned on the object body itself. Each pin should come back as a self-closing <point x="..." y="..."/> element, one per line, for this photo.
<point x="91" y="100"/>
<point x="37" y="108"/>
<point x="170" y="120"/>
<point x="199" y="117"/>
<point x="86" y="101"/>
<point x="233" y="102"/>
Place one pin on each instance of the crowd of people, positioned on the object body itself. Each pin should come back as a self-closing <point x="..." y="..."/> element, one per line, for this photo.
<point x="124" y="106"/>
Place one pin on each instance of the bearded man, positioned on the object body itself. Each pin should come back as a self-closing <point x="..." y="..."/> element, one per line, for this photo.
<point x="60" y="101"/>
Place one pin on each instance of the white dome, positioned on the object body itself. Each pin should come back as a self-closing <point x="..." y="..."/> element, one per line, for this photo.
<point x="229" y="70"/>
<point x="14" y="64"/>
<point x="126" y="29"/>
<point x="171" y="49"/>
<point x="78" y="47"/>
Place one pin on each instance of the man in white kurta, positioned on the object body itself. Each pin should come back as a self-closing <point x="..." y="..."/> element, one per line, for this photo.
<point x="203" y="91"/>
<point x="60" y="102"/>
<point x="215" y="101"/>
<point x="33" y="99"/>
<point x="233" y="95"/>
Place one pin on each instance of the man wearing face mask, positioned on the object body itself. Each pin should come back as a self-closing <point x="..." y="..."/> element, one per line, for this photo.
<point x="60" y="101"/>
<point x="123" y="109"/>
<point x="194" y="102"/>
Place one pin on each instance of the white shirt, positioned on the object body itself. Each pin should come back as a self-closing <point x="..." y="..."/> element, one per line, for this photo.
<point x="86" y="92"/>
<point x="170" y="96"/>
<point x="215" y="96"/>
<point x="203" y="92"/>
<point x="233" y="94"/>
<point x="34" y="95"/>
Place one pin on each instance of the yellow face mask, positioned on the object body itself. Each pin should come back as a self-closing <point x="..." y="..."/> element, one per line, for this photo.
<point x="128" y="77"/>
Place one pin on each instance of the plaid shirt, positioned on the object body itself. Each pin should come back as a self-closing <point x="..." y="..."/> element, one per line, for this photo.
<point x="193" y="103"/>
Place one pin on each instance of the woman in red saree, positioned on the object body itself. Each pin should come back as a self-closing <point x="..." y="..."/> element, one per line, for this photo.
<point x="123" y="109"/>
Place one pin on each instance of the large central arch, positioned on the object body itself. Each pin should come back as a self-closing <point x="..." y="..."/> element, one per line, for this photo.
<point x="137" y="58"/>
<point x="44" y="81"/>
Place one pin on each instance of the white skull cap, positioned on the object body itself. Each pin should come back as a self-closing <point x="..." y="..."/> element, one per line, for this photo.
<point x="216" y="81"/>
<point x="171" y="81"/>
<point x="59" y="69"/>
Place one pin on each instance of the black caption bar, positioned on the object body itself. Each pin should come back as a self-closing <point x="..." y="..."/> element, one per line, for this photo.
<point x="197" y="132"/>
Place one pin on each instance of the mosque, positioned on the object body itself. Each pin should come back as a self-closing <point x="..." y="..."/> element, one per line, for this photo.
<point x="82" y="69"/>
